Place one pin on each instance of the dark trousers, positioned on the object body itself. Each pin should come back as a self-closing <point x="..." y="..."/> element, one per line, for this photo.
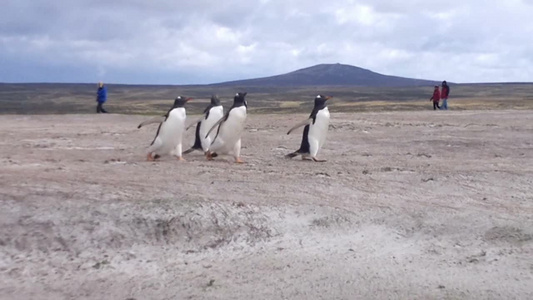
<point x="100" y="109"/>
<point x="436" y="105"/>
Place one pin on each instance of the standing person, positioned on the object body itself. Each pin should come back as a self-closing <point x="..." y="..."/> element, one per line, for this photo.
<point x="444" y="94"/>
<point x="435" y="98"/>
<point x="101" y="98"/>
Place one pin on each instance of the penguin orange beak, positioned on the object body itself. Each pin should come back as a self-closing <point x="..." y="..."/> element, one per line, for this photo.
<point x="188" y="99"/>
<point x="328" y="97"/>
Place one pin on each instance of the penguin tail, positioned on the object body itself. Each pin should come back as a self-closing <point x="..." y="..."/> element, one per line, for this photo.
<point x="291" y="155"/>
<point x="196" y="146"/>
<point x="188" y="151"/>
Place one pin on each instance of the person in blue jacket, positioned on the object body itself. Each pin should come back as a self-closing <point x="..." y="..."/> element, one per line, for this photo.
<point x="101" y="98"/>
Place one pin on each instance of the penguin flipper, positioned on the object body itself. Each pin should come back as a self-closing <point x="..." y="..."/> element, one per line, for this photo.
<point x="303" y="123"/>
<point x="216" y="124"/>
<point x="195" y="121"/>
<point x="157" y="119"/>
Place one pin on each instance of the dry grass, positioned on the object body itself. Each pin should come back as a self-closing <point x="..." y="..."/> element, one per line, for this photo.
<point x="125" y="99"/>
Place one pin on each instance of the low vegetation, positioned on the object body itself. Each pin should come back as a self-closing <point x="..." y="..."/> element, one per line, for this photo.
<point x="138" y="99"/>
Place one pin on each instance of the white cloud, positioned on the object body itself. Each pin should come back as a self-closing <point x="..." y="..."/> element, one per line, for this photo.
<point x="201" y="41"/>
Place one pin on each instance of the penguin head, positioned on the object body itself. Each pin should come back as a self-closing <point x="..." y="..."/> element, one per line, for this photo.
<point x="239" y="100"/>
<point x="320" y="100"/>
<point x="215" y="101"/>
<point x="180" y="101"/>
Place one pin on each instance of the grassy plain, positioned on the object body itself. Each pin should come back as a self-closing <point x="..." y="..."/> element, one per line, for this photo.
<point x="154" y="99"/>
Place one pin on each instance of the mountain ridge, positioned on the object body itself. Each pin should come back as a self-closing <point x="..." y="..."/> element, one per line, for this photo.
<point x="330" y="75"/>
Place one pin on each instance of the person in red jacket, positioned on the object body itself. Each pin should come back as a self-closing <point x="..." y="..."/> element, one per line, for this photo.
<point x="435" y="98"/>
<point x="445" y="92"/>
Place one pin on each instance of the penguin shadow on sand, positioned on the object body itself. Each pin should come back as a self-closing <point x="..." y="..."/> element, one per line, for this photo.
<point x="315" y="131"/>
<point x="216" y="133"/>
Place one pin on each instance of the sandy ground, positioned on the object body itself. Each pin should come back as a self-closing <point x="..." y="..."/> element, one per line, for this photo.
<point x="409" y="205"/>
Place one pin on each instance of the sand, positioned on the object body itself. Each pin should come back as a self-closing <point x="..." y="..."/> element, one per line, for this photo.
<point x="409" y="205"/>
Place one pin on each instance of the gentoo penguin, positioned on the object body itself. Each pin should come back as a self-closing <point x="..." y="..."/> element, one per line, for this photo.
<point x="212" y="113"/>
<point x="170" y="131"/>
<point x="230" y="128"/>
<point x="315" y="131"/>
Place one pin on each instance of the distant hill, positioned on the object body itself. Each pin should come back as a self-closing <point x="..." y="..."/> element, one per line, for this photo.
<point x="331" y="75"/>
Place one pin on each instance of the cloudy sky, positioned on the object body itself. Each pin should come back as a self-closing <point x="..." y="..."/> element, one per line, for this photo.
<point x="201" y="41"/>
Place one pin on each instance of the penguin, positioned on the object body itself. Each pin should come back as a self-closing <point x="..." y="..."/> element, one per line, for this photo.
<point x="170" y="131"/>
<point x="315" y="130"/>
<point x="212" y="113"/>
<point x="230" y="127"/>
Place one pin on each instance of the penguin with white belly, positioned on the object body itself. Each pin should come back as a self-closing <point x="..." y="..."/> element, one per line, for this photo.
<point x="315" y="131"/>
<point x="229" y="130"/>
<point x="168" y="139"/>
<point x="213" y="113"/>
